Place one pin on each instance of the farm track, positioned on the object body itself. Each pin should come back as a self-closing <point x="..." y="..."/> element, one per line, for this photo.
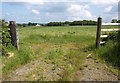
<point x="94" y="71"/>
<point x="35" y="70"/>
<point x="42" y="70"/>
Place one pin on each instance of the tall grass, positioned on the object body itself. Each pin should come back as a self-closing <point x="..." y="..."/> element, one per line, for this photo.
<point x="110" y="52"/>
<point x="23" y="56"/>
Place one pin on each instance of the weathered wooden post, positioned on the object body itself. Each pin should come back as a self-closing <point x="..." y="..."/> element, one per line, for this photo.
<point x="13" y="33"/>
<point x="99" y="26"/>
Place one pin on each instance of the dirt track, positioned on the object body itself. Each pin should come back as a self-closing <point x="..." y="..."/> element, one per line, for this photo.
<point x="42" y="70"/>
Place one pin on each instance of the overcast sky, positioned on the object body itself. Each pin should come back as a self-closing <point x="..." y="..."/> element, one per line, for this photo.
<point x="43" y="11"/>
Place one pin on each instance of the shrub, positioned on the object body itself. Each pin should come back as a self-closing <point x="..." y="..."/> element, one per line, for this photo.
<point x="6" y="39"/>
<point x="110" y="51"/>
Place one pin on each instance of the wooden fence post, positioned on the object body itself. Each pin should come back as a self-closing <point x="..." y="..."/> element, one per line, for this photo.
<point x="99" y="26"/>
<point x="13" y="33"/>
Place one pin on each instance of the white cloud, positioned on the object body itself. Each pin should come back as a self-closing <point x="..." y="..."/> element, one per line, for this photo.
<point x="108" y="9"/>
<point x="79" y="12"/>
<point x="104" y="2"/>
<point x="74" y="8"/>
<point x="35" y="11"/>
<point x="35" y="1"/>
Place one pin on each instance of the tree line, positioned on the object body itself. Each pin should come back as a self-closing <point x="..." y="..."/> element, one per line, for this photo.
<point x="66" y="23"/>
<point x="74" y="23"/>
<point x="115" y="21"/>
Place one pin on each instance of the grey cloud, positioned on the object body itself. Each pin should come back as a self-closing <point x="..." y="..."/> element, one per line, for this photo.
<point x="14" y="3"/>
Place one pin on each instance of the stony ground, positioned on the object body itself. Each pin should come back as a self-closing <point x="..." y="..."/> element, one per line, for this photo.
<point x="41" y="70"/>
<point x="95" y="71"/>
<point x="35" y="70"/>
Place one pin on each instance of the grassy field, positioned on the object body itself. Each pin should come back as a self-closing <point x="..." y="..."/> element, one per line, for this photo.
<point x="65" y="47"/>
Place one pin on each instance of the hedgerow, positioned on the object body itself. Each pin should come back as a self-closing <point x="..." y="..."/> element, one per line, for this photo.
<point x="6" y="38"/>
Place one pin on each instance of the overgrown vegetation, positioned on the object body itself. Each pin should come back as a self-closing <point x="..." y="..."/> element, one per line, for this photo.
<point x="110" y="52"/>
<point x="20" y="57"/>
<point x="23" y="56"/>
<point x="59" y="46"/>
<point x="6" y="38"/>
<point x="62" y="47"/>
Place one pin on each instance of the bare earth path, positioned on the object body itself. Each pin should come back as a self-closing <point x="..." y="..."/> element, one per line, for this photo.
<point x="95" y="71"/>
<point x="35" y="70"/>
<point x="42" y="70"/>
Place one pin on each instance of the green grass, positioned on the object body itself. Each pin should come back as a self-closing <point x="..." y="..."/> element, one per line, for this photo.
<point x="65" y="47"/>
<point x="21" y="57"/>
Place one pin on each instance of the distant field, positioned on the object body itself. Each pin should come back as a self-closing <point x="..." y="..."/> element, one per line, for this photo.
<point x="65" y="34"/>
<point x="55" y="32"/>
<point x="51" y="38"/>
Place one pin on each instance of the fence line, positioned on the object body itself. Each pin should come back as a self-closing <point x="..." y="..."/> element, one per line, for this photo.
<point x="13" y="33"/>
<point x="99" y="30"/>
<point x="116" y="29"/>
<point x="110" y="23"/>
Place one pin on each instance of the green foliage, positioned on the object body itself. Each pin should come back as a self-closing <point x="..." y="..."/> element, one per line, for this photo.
<point x="7" y="49"/>
<point x="114" y="21"/>
<point x="32" y="24"/>
<point x="6" y="39"/>
<point x="113" y="36"/>
<point x="110" y="52"/>
<point x="20" y="57"/>
<point x="118" y="21"/>
<point x="25" y="25"/>
<point x="19" y="25"/>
